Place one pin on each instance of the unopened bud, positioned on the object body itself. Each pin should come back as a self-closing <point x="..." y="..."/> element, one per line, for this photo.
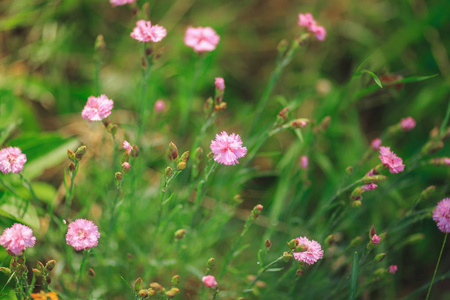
<point x="293" y="244"/>
<point x="237" y="199"/>
<point x="40" y="265"/>
<point x="432" y="146"/>
<point x="198" y="154"/>
<point x="126" y="167"/>
<point x="81" y="151"/>
<point x="349" y="170"/>
<point x="380" y="272"/>
<point x="181" y="166"/>
<point x="378" y="258"/>
<point x="300" y="272"/>
<point x="5" y="271"/>
<point x="148" y="51"/>
<point x="299" y="123"/>
<point x="208" y="105"/>
<point x="185" y="156"/>
<point x="356" y="204"/>
<point x="118" y="176"/>
<point x="257" y="210"/>
<point x="37" y="272"/>
<point x="156" y="286"/>
<point x="175" y="280"/>
<point x="50" y="265"/>
<point x="135" y="151"/>
<point x="179" y="234"/>
<point x="356" y="242"/>
<point x="287" y="256"/>
<point x="168" y="172"/>
<point x="172" y="152"/>
<point x="138" y="284"/>
<point x="210" y="155"/>
<point x="268" y="243"/>
<point x="211" y="263"/>
<point x="372" y="231"/>
<point x="374" y="179"/>
<point x="356" y="194"/>
<point x="112" y="128"/>
<point x="282" y="46"/>
<point x="99" y="45"/>
<point x="143" y="62"/>
<point x="325" y="123"/>
<point x="330" y="240"/>
<point x="143" y="293"/>
<point x="70" y="154"/>
<point x="170" y="294"/>
<point x="301" y="248"/>
<point x="91" y="272"/>
<point x="283" y="114"/>
<point x="20" y="260"/>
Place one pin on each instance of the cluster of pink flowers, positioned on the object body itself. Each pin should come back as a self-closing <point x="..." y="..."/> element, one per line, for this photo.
<point x="408" y="123"/>
<point x="441" y="215"/>
<point x="307" y="20"/>
<point x="389" y="159"/>
<point x="201" y="39"/>
<point x="145" y="32"/>
<point x="12" y="160"/>
<point x="17" y="238"/>
<point x="312" y="253"/>
<point x="120" y="2"/>
<point x="97" y="108"/>
<point x="227" y="148"/>
<point x="209" y="281"/>
<point x="82" y="234"/>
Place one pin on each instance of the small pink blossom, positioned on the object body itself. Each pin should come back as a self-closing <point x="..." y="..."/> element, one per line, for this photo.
<point x="441" y="215"/>
<point x="128" y="148"/>
<point x="375" y="144"/>
<point x="312" y="253"/>
<point x="126" y="167"/>
<point x="219" y="83"/>
<point x="227" y="148"/>
<point x="307" y="20"/>
<point x="388" y="158"/>
<point x="17" y="238"/>
<point x="375" y="239"/>
<point x="201" y="39"/>
<point x="369" y="187"/>
<point x="209" y="281"/>
<point x="304" y="163"/>
<point x="446" y="161"/>
<point x="120" y="2"/>
<point x="97" y="108"/>
<point x="408" y="124"/>
<point x="393" y="269"/>
<point x="145" y="32"/>
<point x="12" y="160"/>
<point x="159" y="106"/>
<point x="82" y="234"/>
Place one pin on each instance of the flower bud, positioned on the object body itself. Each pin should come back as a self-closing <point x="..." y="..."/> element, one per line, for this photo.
<point x="172" y="152"/>
<point x="356" y="242"/>
<point x="159" y="106"/>
<point x="156" y="286"/>
<point x="143" y="293"/>
<point x="48" y="280"/>
<point x="40" y="266"/>
<point x="126" y="167"/>
<point x="175" y="280"/>
<point x="414" y="238"/>
<point x="301" y="248"/>
<point x="237" y="199"/>
<point x="283" y="114"/>
<point x="293" y="244"/>
<point x="179" y="234"/>
<point x="138" y="284"/>
<point x="372" y="231"/>
<point x="135" y="151"/>
<point x="356" y="194"/>
<point x="143" y="62"/>
<point x="374" y="179"/>
<point x="432" y="147"/>
<point x="349" y="170"/>
<point x="70" y="154"/>
<point x="208" y="105"/>
<point x="282" y="46"/>
<point x="356" y="204"/>
<point x="91" y="272"/>
<point x="168" y="172"/>
<point x="37" y="272"/>
<point x="380" y="272"/>
<point x="257" y="210"/>
<point x="393" y="269"/>
<point x="185" y="156"/>
<point x="299" y="123"/>
<point x="5" y="271"/>
<point x="268" y="243"/>
<point x="330" y="240"/>
<point x="211" y="264"/>
<point x="118" y="176"/>
<point x="50" y="265"/>
<point x="304" y="163"/>
<point x="287" y="256"/>
<point x="198" y="154"/>
<point x="325" y="123"/>
<point x="299" y="272"/>
<point x="81" y="151"/>
<point x="20" y="260"/>
<point x="170" y="294"/>
<point x="379" y="257"/>
<point x="99" y="45"/>
<point x="219" y="83"/>
<point x="72" y="167"/>
<point x="181" y="166"/>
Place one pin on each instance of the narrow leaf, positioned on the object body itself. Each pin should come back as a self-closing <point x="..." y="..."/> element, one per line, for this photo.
<point x="354" y="277"/>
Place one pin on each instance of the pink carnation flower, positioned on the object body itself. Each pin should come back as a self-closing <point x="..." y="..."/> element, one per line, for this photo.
<point x="145" y="32"/>
<point x="12" y="160"/>
<point x="17" y="238"/>
<point x="209" y="281"/>
<point x="159" y="106"/>
<point x="307" y="20"/>
<point x="97" y="108"/>
<point x="120" y="2"/>
<point x="227" y="148"/>
<point x="441" y="215"/>
<point x="304" y="162"/>
<point x="219" y="83"/>
<point x="408" y="124"/>
<point x="388" y="158"/>
<point x="82" y="234"/>
<point x="393" y="269"/>
<point x="375" y="239"/>
<point x="369" y="187"/>
<point x="375" y="144"/>
<point x="201" y="39"/>
<point x="312" y="253"/>
<point x="128" y="148"/>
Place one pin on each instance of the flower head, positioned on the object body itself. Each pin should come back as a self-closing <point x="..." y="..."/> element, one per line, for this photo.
<point x="227" y="148"/>
<point x="159" y="106"/>
<point x="393" y="269"/>
<point x="312" y="253"/>
<point x="408" y="123"/>
<point x="304" y="162"/>
<point x="375" y="144"/>
<point x="17" y="238"/>
<point x="44" y="296"/>
<point x="145" y="32"/>
<point x="209" y="281"/>
<point x="369" y="187"/>
<point x="219" y="83"/>
<point x="375" y="239"/>
<point x="82" y="234"/>
<point x="201" y="39"/>
<point x="388" y="158"/>
<point x="307" y="20"/>
<point x="128" y="148"/>
<point x="12" y="160"/>
<point x="441" y="215"/>
<point x="120" y="2"/>
<point x="97" y="108"/>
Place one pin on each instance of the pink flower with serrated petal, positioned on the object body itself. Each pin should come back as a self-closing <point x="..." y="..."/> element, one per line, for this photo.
<point x="408" y="123"/>
<point x="12" y="160"/>
<point x="97" y="108"/>
<point x="145" y="32"/>
<point x="307" y="20"/>
<point x="375" y="239"/>
<point x="375" y="144"/>
<point x="393" y="269"/>
<point x="120" y="2"/>
<point x="82" y="234"/>
<point x="17" y="238"/>
<point x="128" y="148"/>
<point x="227" y="148"/>
<point x="209" y="281"/>
<point x="388" y="158"/>
<point x="201" y="39"/>
<point x="441" y="215"/>
<point x="312" y="253"/>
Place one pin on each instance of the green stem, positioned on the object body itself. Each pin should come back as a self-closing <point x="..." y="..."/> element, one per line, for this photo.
<point x="200" y="193"/>
<point x="143" y="104"/>
<point x="70" y="192"/>
<point x="112" y="221"/>
<point x="27" y="184"/>
<point x="261" y="272"/>
<point x="444" y="123"/>
<point x="163" y="196"/>
<point x="437" y="265"/>
<point x="83" y="261"/>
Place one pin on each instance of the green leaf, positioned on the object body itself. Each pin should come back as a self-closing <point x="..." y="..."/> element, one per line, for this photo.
<point x="18" y="209"/>
<point x="354" y="277"/>
<point x="274" y="269"/>
<point x="375" y="77"/>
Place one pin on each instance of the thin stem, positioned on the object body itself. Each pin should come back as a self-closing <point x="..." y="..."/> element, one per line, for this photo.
<point x="167" y="182"/>
<point x="83" y="261"/>
<point x="70" y="192"/>
<point x="261" y="272"/>
<point x="446" y="118"/>
<point x="437" y="265"/>
<point x="142" y="102"/>
<point x="112" y="221"/>
<point x="200" y="193"/>
<point x="27" y="184"/>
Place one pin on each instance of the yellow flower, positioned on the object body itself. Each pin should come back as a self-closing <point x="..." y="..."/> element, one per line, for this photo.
<point x="44" y="296"/>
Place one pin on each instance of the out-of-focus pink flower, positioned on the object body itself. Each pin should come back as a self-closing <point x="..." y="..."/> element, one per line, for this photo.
<point x="219" y="83"/>
<point x="441" y="215"/>
<point x="393" y="269"/>
<point x="304" y="163"/>
<point x="209" y="281"/>
<point x="375" y="144"/>
<point x="388" y="158"/>
<point x="376" y="239"/>
<point x="307" y="20"/>
<point x="369" y="187"/>
<point x="201" y="39"/>
<point x="145" y="32"/>
<point x="408" y="123"/>
<point x="82" y="234"/>
<point x="128" y="148"/>
<point x="312" y="253"/>
<point x="159" y="106"/>
<point x="17" y="238"/>
<point x="12" y="160"/>
<point x="97" y="108"/>
<point x="227" y="148"/>
<point x="120" y="2"/>
<point x="446" y="161"/>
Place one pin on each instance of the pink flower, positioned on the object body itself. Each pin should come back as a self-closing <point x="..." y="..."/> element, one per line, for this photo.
<point x="388" y="158"/>
<point x="145" y="32"/>
<point x="441" y="215"/>
<point x="120" y="2"/>
<point x="12" y="160"/>
<point x="307" y="20"/>
<point x="375" y="239"/>
<point x="369" y="187"/>
<point x="209" y="281"/>
<point x="312" y="253"/>
<point x="446" y="161"/>
<point x="304" y="162"/>
<point x="227" y="148"/>
<point x="408" y="124"/>
<point x="375" y="144"/>
<point x="201" y="39"/>
<point x="82" y="234"/>
<point x="393" y="269"/>
<point x="17" y="238"/>
<point x="219" y="83"/>
<point x="128" y="148"/>
<point x="159" y="106"/>
<point x="97" y="108"/>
